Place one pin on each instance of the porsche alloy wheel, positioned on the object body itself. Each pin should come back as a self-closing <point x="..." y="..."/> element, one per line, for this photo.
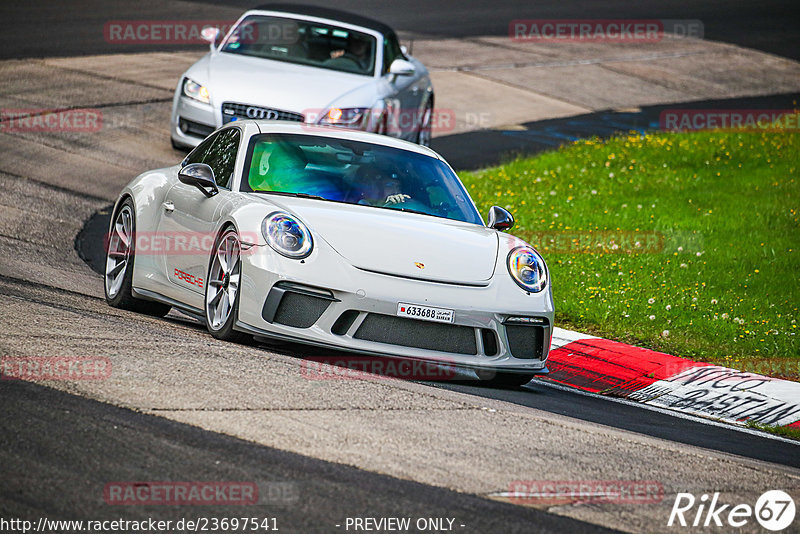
<point x="120" y="245"/>
<point x="222" y="288"/>
<point x="120" y="256"/>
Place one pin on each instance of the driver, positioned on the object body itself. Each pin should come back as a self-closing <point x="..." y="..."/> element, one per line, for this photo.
<point x="357" y="50"/>
<point x="380" y="188"/>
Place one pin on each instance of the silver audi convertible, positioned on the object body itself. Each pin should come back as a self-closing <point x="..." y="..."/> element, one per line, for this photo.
<point x="304" y="64"/>
<point x="336" y="238"/>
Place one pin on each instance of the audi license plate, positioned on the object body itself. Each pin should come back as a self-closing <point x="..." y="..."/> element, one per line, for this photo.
<point x="425" y="313"/>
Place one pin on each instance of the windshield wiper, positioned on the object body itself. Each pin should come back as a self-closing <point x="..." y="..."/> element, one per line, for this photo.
<point x="409" y="210"/>
<point x="289" y="194"/>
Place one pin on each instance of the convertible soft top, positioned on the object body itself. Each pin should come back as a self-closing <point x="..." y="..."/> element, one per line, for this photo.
<point x="328" y="13"/>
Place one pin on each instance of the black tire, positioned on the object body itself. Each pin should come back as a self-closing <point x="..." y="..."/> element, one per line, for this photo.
<point x="122" y="296"/>
<point x="383" y="128"/>
<point x="509" y="380"/>
<point x="424" y="131"/>
<point x="178" y="146"/>
<point x="225" y="332"/>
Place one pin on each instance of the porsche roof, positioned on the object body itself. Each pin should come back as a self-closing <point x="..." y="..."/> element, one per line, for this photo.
<point x="266" y="126"/>
<point x="328" y="13"/>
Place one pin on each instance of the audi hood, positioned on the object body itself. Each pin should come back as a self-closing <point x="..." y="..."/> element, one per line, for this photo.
<point x="279" y="85"/>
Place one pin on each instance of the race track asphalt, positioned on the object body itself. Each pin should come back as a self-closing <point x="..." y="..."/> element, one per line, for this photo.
<point x="57" y="449"/>
<point x="46" y="28"/>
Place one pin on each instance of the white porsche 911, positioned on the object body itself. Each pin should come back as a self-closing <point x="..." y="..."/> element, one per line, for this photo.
<point x="304" y="64"/>
<point x="340" y="239"/>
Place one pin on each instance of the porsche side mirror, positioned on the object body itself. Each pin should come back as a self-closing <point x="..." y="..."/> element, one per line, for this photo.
<point x="500" y="219"/>
<point x="210" y="34"/>
<point x="201" y="176"/>
<point x="401" y="67"/>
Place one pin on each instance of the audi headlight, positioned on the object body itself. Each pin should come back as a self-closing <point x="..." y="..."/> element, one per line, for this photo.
<point x="196" y="91"/>
<point x="347" y="117"/>
<point x="286" y="235"/>
<point x="528" y="269"/>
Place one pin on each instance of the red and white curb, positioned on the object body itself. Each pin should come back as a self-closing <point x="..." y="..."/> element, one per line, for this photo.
<point x="610" y="368"/>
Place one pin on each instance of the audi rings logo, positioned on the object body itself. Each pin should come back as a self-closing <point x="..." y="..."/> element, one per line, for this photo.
<point x="261" y="113"/>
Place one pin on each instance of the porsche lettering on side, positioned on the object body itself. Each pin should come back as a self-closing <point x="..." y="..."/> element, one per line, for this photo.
<point x="304" y="64"/>
<point x="320" y="237"/>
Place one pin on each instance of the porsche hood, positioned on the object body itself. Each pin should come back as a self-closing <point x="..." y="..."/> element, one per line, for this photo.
<point x="399" y="243"/>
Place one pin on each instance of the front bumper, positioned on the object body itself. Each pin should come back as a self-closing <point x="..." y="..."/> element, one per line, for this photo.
<point x="192" y="121"/>
<point x="333" y="304"/>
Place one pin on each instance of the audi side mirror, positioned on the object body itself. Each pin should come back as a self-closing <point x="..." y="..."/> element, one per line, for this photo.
<point x="401" y="67"/>
<point x="210" y="34"/>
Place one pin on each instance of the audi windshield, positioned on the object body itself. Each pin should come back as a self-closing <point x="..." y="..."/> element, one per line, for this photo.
<point x="305" y="43"/>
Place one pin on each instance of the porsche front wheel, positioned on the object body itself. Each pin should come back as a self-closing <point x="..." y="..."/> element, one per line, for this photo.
<point x="222" y="287"/>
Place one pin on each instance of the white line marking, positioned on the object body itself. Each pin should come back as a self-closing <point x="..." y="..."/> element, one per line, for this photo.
<point x="669" y="412"/>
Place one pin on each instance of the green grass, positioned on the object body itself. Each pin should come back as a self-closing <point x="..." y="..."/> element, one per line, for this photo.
<point x="785" y="431"/>
<point x="716" y="275"/>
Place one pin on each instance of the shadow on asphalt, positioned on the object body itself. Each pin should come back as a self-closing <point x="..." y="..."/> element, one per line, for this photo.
<point x="596" y="409"/>
<point x="485" y="148"/>
<point x="50" y="469"/>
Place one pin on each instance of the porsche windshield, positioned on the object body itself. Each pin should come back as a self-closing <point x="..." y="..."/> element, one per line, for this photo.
<point x="355" y="173"/>
<point x="305" y="43"/>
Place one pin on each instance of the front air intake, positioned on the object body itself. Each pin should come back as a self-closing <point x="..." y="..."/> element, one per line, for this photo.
<point x="526" y="336"/>
<point x="417" y="334"/>
<point x="295" y="305"/>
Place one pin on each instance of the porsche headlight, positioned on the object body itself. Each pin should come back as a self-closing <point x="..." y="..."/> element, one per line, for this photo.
<point x="196" y="91"/>
<point x="286" y="235"/>
<point x="528" y="269"/>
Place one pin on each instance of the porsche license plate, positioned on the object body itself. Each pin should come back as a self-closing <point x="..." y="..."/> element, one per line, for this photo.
<point x="425" y="313"/>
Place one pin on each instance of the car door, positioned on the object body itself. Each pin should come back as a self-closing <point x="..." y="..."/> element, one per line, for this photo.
<point x="406" y="92"/>
<point x="189" y="218"/>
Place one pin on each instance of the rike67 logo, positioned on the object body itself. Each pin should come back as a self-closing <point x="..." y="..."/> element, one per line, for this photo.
<point x="774" y="511"/>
